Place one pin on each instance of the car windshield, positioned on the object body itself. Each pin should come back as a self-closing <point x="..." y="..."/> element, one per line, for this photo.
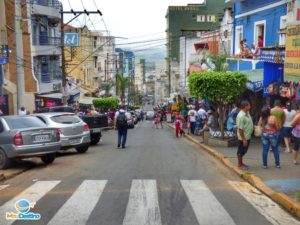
<point x="65" y="119"/>
<point x="23" y="122"/>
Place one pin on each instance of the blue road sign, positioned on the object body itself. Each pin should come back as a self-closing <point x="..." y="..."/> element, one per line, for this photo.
<point x="71" y="39"/>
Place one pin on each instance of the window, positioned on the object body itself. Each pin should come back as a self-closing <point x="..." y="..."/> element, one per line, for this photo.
<point x="238" y="38"/>
<point x="95" y="42"/>
<point x="95" y="61"/>
<point x="201" y="18"/>
<point x="65" y="119"/>
<point x="282" y="35"/>
<point x="259" y="31"/>
<point x="23" y="122"/>
<point x="211" y="18"/>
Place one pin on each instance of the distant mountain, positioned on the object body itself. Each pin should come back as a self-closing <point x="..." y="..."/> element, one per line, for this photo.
<point x="151" y="55"/>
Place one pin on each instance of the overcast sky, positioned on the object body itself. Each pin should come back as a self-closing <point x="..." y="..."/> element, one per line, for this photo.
<point x="128" y="18"/>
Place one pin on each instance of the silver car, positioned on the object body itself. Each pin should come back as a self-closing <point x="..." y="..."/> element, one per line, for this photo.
<point x="74" y="133"/>
<point x="26" y="136"/>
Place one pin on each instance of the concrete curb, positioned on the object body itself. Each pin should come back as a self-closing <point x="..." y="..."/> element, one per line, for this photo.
<point x="13" y="174"/>
<point x="282" y="199"/>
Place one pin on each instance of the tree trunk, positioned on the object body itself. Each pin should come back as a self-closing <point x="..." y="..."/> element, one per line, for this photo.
<point x="221" y="123"/>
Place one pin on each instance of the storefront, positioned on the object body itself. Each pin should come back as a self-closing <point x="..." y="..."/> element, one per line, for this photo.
<point x="273" y="78"/>
<point x="55" y="99"/>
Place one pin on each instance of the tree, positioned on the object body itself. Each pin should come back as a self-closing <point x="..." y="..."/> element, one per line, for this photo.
<point x="220" y="88"/>
<point x="106" y="103"/>
<point x="122" y="84"/>
<point x="107" y="86"/>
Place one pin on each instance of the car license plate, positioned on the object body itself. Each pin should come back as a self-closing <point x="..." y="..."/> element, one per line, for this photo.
<point x="96" y="130"/>
<point x="75" y="141"/>
<point x="42" y="138"/>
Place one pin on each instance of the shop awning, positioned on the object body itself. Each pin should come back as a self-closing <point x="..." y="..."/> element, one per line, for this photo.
<point x="73" y="93"/>
<point x="86" y="100"/>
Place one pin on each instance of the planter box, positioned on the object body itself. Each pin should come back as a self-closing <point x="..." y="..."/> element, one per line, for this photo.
<point x="218" y="142"/>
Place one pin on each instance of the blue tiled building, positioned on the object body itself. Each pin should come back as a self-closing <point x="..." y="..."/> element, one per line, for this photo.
<point x="254" y="18"/>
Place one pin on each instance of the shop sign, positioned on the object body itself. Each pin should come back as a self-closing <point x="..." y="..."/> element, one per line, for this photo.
<point x="292" y="58"/>
<point x="272" y="55"/>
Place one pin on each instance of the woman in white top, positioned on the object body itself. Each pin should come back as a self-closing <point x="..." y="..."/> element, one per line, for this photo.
<point x="287" y="128"/>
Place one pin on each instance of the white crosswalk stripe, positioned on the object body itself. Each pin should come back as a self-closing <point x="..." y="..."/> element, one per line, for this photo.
<point x="80" y="205"/>
<point x="143" y="207"/>
<point x="264" y="205"/>
<point x="2" y="187"/>
<point x="143" y="204"/>
<point x="207" y="208"/>
<point x="34" y="193"/>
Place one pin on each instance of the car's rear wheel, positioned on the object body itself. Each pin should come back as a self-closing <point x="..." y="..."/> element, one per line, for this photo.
<point x="5" y="162"/>
<point x="95" y="138"/>
<point x="48" y="158"/>
<point x="82" y="149"/>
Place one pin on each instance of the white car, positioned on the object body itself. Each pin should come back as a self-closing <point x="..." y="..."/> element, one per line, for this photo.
<point x="74" y="133"/>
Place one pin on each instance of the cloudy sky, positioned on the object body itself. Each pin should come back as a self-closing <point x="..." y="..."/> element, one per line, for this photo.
<point x="133" y="19"/>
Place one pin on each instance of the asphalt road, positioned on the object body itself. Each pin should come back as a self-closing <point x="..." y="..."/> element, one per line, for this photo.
<point x="157" y="179"/>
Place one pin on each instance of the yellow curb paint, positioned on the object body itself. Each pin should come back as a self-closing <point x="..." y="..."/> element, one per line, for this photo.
<point x="282" y="199"/>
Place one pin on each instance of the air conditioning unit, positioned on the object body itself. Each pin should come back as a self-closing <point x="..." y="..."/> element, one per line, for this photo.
<point x="57" y="87"/>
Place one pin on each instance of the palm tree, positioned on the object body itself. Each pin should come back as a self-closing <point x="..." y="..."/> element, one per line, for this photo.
<point x="107" y="86"/>
<point x="122" y="84"/>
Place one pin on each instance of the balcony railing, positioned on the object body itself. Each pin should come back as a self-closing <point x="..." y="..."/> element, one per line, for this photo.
<point x="49" y="77"/>
<point x="45" y="40"/>
<point x="48" y="3"/>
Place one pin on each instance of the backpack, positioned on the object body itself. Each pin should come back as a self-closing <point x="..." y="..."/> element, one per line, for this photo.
<point x="121" y="120"/>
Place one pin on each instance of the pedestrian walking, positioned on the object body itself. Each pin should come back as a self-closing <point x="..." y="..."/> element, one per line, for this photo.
<point x="142" y="116"/>
<point x="155" y="120"/>
<point x="179" y="124"/>
<point x="287" y="128"/>
<point x="245" y="130"/>
<point x="160" y="114"/>
<point x="192" y="118"/>
<point x="296" y="135"/>
<point x="269" y="136"/>
<point x="122" y="127"/>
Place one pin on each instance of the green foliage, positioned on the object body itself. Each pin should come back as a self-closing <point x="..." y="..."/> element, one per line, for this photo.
<point x="220" y="62"/>
<point x="134" y="107"/>
<point x="122" y="84"/>
<point x="106" y="103"/>
<point x="217" y="87"/>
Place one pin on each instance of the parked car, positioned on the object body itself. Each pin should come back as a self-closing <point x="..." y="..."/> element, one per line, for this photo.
<point x="74" y="133"/>
<point x="134" y="116"/>
<point x="96" y="123"/>
<point x="150" y="115"/>
<point x="27" y="136"/>
<point x="130" y="122"/>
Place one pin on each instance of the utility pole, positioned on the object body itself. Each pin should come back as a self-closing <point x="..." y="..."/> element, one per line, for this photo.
<point x="19" y="55"/>
<point x="63" y="58"/>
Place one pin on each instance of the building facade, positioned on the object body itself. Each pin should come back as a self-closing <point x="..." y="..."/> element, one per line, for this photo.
<point x="187" y="21"/>
<point x="41" y="52"/>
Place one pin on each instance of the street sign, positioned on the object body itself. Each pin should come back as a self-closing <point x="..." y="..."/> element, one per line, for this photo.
<point x="4" y="54"/>
<point x="71" y="39"/>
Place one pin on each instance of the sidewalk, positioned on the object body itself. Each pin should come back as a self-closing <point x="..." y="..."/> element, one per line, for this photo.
<point x="286" y="179"/>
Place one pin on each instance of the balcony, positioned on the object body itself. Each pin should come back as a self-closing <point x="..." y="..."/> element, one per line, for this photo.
<point x="44" y="45"/>
<point x="46" y="7"/>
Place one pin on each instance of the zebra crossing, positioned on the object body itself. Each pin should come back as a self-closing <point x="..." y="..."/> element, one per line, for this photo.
<point x="143" y="204"/>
